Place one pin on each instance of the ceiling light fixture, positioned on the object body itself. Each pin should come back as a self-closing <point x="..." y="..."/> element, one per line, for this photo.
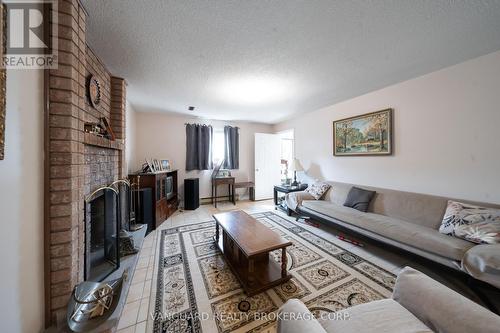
<point x="253" y="90"/>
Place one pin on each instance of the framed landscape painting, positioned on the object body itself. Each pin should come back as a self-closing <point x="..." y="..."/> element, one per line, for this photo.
<point x="368" y="134"/>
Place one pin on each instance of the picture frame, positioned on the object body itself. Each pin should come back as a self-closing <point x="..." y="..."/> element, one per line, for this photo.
<point x="156" y="165"/>
<point x="369" y="134"/>
<point x="224" y="173"/>
<point x="152" y="165"/>
<point x="165" y="165"/>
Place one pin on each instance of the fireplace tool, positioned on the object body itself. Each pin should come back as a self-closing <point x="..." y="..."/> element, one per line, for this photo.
<point x="125" y="238"/>
<point x="133" y="215"/>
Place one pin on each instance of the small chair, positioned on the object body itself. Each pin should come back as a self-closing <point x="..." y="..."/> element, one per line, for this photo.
<point x="250" y="186"/>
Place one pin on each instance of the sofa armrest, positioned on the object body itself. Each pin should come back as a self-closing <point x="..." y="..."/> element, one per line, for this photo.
<point x="294" y="317"/>
<point x="440" y="308"/>
<point x="483" y="263"/>
<point x="294" y="199"/>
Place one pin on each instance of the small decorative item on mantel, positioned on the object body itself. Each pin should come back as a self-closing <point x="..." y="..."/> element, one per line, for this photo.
<point x="102" y="129"/>
<point x="94" y="128"/>
<point x="109" y="131"/>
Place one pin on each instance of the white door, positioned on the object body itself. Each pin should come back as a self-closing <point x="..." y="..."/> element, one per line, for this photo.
<point x="267" y="164"/>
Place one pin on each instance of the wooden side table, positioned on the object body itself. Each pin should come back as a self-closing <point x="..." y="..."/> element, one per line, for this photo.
<point x="229" y="181"/>
<point x="286" y="189"/>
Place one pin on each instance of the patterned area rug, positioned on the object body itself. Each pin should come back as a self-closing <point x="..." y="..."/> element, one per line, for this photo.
<point x="197" y="292"/>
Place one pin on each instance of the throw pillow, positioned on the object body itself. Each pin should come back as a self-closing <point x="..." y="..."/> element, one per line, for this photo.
<point x="482" y="232"/>
<point x="473" y="223"/>
<point x="317" y="190"/>
<point x="359" y="199"/>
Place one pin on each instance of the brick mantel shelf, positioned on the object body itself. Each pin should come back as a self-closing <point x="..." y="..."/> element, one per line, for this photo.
<point x="94" y="140"/>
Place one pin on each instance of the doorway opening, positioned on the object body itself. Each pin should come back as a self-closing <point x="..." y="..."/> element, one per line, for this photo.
<point x="273" y="161"/>
<point x="287" y="155"/>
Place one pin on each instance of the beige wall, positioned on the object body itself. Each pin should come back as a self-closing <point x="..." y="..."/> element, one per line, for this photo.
<point x="447" y="137"/>
<point x="21" y="205"/>
<point x="164" y="136"/>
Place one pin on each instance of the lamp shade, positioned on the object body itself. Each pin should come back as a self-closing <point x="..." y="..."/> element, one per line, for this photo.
<point x="296" y="166"/>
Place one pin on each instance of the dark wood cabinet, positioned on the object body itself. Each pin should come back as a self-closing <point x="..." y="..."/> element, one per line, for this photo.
<point x="164" y="186"/>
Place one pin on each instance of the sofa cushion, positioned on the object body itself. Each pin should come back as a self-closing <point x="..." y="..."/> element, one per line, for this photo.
<point x="439" y="307"/>
<point x="359" y="199"/>
<point x="385" y="315"/>
<point x="480" y="233"/>
<point x="415" y="235"/>
<point x="474" y="223"/>
<point x="317" y="190"/>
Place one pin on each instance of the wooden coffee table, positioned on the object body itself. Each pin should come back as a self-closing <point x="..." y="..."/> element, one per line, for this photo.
<point x="246" y="243"/>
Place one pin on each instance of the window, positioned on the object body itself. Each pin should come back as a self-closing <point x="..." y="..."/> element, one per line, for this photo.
<point x="287" y="150"/>
<point x="218" y="146"/>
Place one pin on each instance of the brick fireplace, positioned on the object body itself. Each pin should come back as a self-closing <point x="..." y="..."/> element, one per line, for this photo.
<point x="76" y="162"/>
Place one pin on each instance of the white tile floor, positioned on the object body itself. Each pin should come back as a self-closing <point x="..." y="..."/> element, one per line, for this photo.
<point x="136" y="312"/>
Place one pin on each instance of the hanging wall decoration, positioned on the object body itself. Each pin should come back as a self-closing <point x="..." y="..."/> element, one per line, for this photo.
<point x="94" y="91"/>
<point x="367" y="134"/>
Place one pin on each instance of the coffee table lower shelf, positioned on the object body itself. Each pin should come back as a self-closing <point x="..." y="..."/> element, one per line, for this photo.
<point x="267" y="272"/>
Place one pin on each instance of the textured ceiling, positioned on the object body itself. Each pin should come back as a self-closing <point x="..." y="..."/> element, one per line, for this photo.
<point x="266" y="61"/>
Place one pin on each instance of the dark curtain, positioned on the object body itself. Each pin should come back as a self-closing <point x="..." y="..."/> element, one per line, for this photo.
<point x="231" y="148"/>
<point x="199" y="147"/>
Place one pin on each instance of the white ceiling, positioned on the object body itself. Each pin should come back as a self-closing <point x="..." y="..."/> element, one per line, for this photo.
<point x="266" y="61"/>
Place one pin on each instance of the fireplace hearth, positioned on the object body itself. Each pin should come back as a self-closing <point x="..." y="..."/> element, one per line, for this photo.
<point x="102" y="223"/>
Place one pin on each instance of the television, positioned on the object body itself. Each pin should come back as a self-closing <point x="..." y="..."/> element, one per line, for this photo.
<point x="169" y="187"/>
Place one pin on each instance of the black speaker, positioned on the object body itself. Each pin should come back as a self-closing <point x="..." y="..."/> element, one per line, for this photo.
<point x="191" y="193"/>
<point x="144" y="207"/>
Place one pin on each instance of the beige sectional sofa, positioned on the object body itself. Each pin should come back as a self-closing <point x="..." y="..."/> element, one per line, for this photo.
<point x="418" y="304"/>
<point x="409" y="221"/>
